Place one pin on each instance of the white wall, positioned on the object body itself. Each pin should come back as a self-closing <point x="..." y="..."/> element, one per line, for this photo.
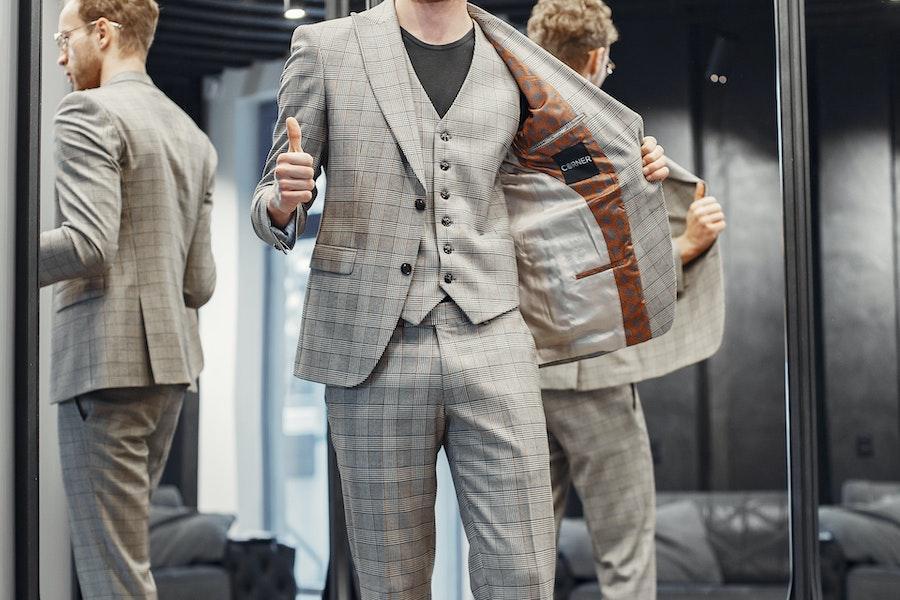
<point x="8" y="41"/>
<point x="232" y="325"/>
<point x="55" y="555"/>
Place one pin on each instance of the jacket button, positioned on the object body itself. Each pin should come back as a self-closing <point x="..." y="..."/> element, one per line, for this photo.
<point x="448" y="278"/>
<point x="448" y="248"/>
<point x="420" y="204"/>
<point x="445" y="166"/>
<point x="446" y="221"/>
<point x="445" y="135"/>
<point x="406" y="268"/>
<point x="445" y="194"/>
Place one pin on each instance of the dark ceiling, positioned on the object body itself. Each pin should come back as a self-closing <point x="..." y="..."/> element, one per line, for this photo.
<point x="202" y="37"/>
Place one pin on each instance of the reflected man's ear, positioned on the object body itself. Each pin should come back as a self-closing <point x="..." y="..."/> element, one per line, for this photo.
<point x="595" y="69"/>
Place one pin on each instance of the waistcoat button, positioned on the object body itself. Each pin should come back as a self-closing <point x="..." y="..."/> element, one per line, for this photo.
<point x="420" y="204"/>
<point x="406" y="268"/>
<point x="445" y="135"/>
<point x="446" y="221"/>
<point x="448" y="278"/>
<point x="448" y="248"/>
<point x="445" y="166"/>
<point x="445" y="194"/>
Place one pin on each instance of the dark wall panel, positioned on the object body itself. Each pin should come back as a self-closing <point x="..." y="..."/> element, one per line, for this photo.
<point x="738" y="405"/>
<point x="656" y="84"/>
<point x="741" y="164"/>
<point x="670" y="406"/>
<point x="858" y="258"/>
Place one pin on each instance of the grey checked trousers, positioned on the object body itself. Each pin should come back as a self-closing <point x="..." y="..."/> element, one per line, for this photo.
<point x="114" y="444"/>
<point x="599" y="442"/>
<point x="474" y="390"/>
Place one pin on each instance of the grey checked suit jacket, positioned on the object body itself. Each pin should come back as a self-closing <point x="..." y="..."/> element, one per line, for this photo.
<point x="131" y="257"/>
<point x="591" y="241"/>
<point x="699" y="323"/>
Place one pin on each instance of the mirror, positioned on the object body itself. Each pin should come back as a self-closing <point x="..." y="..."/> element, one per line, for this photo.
<point x="702" y="75"/>
<point x="253" y="444"/>
<point x="853" y="82"/>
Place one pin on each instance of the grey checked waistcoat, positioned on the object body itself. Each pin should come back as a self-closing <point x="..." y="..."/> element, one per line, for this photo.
<point x="593" y="252"/>
<point x="464" y="210"/>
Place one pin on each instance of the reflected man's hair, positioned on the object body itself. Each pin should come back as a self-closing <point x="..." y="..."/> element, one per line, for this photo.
<point x="138" y="19"/>
<point x="570" y="29"/>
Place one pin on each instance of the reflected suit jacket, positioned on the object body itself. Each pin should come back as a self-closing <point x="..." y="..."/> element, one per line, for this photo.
<point x="699" y="314"/>
<point x="562" y="224"/>
<point x="131" y="258"/>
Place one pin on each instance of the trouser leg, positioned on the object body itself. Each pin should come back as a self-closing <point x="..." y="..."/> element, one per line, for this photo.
<point x="604" y="438"/>
<point x="105" y="449"/>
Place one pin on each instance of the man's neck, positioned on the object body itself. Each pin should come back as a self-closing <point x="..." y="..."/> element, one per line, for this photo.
<point x="435" y="21"/>
<point x="112" y="68"/>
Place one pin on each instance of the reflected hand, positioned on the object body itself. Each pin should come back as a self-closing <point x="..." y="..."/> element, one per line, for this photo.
<point x="655" y="168"/>
<point x="293" y="178"/>
<point x="705" y="221"/>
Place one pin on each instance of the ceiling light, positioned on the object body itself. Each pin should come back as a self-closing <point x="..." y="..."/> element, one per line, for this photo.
<point x="293" y="10"/>
<point x="719" y="65"/>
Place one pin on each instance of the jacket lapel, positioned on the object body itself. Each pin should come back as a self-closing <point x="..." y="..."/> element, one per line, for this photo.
<point x="384" y="56"/>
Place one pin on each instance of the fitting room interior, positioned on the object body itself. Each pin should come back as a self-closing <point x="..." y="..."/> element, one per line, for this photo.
<point x="777" y="460"/>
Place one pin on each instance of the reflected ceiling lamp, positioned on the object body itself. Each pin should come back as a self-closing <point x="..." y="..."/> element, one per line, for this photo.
<point x="293" y="9"/>
<point x="718" y="69"/>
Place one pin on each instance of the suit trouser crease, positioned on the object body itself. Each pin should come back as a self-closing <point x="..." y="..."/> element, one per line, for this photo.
<point x="599" y="443"/>
<point x="113" y="445"/>
<point x="474" y="390"/>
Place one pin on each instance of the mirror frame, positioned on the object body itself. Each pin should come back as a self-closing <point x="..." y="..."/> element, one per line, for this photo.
<point x="26" y="334"/>
<point x="800" y="298"/>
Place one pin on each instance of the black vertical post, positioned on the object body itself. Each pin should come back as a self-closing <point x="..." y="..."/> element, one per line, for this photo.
<point x="893" y="51"/>
<point x="341" y="582"/>
<point x="823" y="454"/>
<point x="800" y="304"/>
<point x="698" y="48"/>
<point x="182" y="466"/>
<point x="28" y="120"/>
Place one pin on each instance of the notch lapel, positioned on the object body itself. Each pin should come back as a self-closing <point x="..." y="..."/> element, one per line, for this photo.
<point x="384" y="56"/>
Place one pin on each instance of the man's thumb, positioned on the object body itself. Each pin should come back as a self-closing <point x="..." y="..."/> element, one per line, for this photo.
<point x="294" y="137"/>
<point x="700" y="190"/>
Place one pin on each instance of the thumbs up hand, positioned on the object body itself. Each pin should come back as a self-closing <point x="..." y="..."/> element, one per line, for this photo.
<point x="293" y="178"/>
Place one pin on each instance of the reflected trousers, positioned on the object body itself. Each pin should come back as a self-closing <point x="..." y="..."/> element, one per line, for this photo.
<point x="599" y="443"/>
<point x="113" y="445"/>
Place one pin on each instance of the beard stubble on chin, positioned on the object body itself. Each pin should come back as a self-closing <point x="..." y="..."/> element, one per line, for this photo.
<point x="86" y="69"/>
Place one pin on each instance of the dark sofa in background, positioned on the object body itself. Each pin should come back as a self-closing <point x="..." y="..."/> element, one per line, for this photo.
<point x="866" y="528"/>
<point x="723" y="546"/>
<point x="734" y="546"/>
<point x="192" y="557"/>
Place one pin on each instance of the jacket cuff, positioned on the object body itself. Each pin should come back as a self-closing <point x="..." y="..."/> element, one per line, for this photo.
<point x="281" y="239"/>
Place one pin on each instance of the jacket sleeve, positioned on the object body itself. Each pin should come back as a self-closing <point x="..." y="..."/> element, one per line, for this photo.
<point x="302" y="96"/>
<point x="88" y="148"/>
<point x="200" y="267"/>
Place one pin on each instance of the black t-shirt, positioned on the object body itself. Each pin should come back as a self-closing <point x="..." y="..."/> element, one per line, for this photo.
<point x="442" y="69"/>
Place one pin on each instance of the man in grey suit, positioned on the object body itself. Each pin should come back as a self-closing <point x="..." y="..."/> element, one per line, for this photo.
<point x="598" y="437"/>
<point x="427" y="114"/>
<point x="131" y="260"/>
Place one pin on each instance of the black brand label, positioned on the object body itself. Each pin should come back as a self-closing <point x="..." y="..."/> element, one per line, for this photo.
<point x="576" y="163"/>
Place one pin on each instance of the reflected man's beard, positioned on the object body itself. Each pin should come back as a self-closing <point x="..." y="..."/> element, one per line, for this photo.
<point x="86" y="71"/>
